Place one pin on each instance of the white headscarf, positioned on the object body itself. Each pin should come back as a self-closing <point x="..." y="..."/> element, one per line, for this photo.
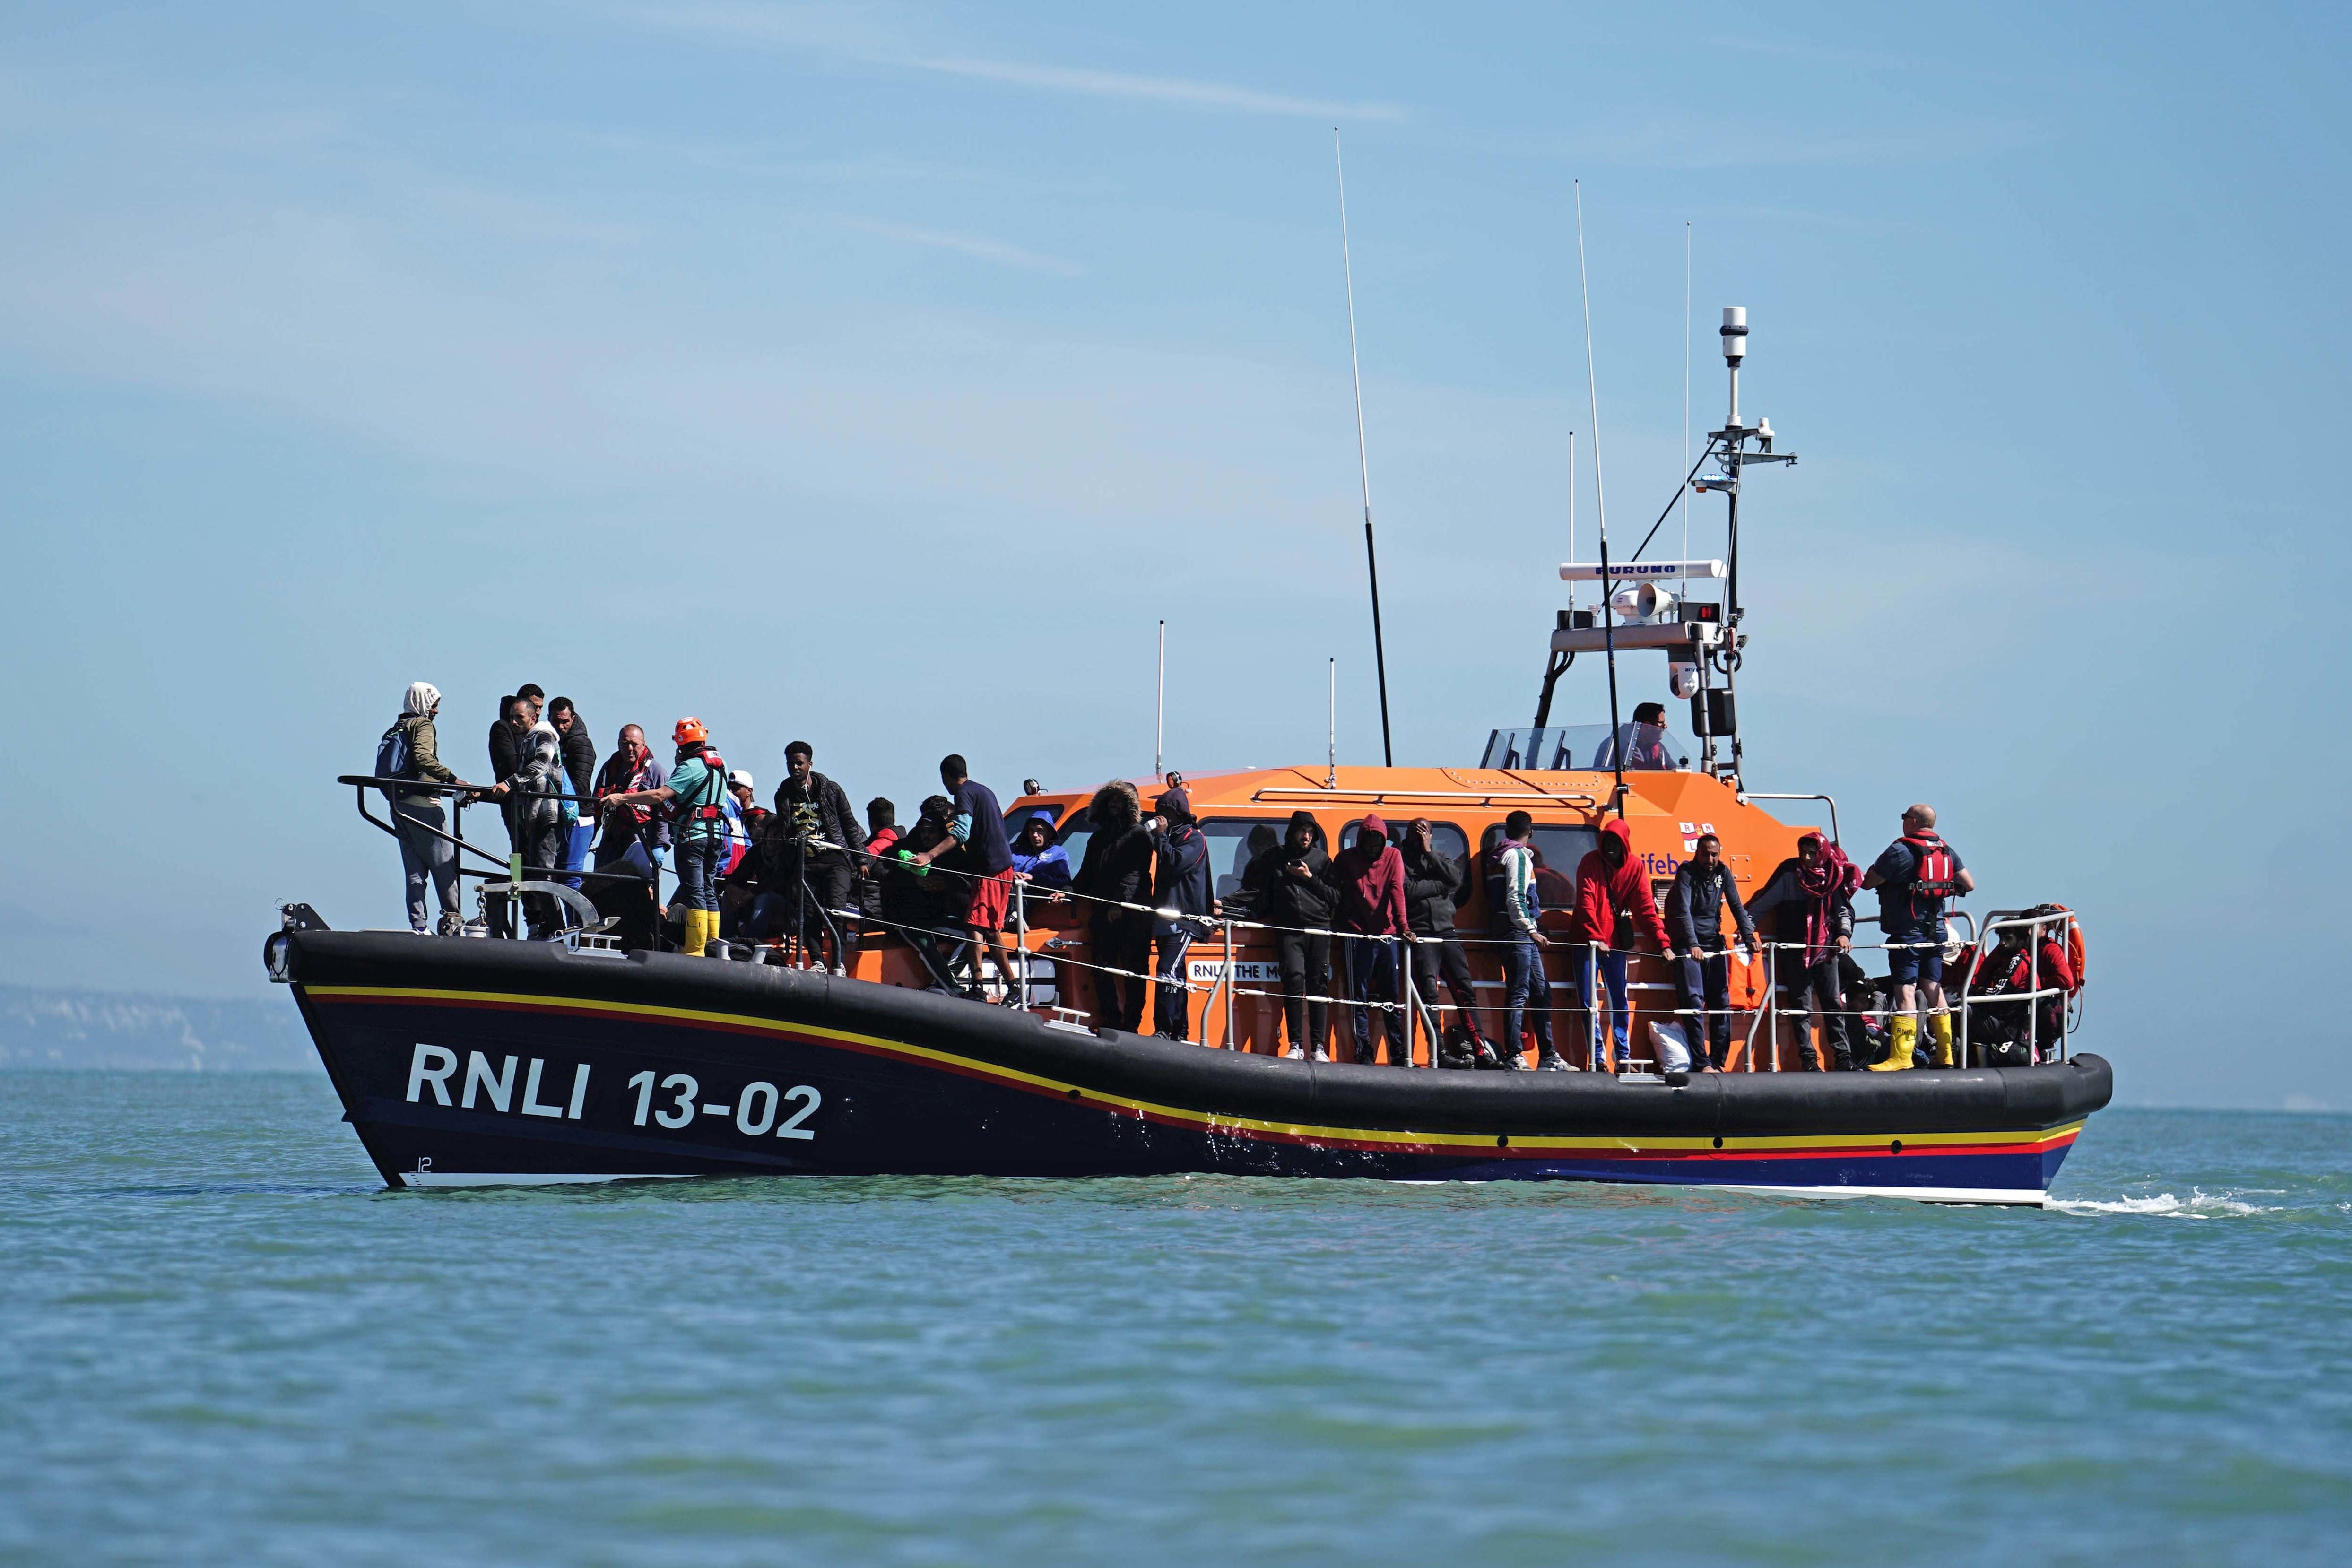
<point x="423" y="698"/>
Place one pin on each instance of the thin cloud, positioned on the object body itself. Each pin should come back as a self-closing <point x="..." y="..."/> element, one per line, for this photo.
<point x="1176" y="90"/>
<point x="977" y="246"/>
<point x="866" y="37"/>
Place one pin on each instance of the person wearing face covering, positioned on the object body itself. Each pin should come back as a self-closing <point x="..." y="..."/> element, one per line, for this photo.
<point x="1643" y="741"/>
<point x="424" y="858"/>
<point x="1809" y="899"/>
<point x="1370" y="914"/>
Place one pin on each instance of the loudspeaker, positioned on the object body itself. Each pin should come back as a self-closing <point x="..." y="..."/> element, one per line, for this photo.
<point x="1713" y="713"/>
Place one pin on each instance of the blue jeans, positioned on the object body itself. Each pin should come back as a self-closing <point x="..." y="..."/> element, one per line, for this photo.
<point x="1612" y="970"/>
<point x="1372" y="978"/>
<point x="698" y="860"/>
<point x="579" y="835"/>
<point x="1525" y="988"/>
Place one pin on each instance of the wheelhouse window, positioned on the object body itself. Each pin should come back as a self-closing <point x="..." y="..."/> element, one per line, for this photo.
<point x="1451" y="841"/>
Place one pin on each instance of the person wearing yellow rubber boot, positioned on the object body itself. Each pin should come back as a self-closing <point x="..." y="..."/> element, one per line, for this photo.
<point x="1914" y="877"/>
<point x="697" y="794"/>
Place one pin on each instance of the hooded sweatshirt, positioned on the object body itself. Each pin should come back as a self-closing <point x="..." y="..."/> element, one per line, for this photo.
<point x="1432" y="889"/>
<point x="1371" y="884"/>
<point x="1049" y="868"/>
<point x="1285" y="900"/>
<point x="424" y="749"/>
<point x="1613" y="905"/>
<point x="1183" y="883"/>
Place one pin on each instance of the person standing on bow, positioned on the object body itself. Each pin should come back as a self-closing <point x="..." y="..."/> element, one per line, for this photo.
<point x="1292" y="883"/>
<point x="1702" y="890"/>
<point x="1614" y="909"/>
<point x="425" y="856"/>
<point x="1372" y="922"/>
<point x="696" y="796"/>
<point x="1810" y="898"/>
<point x="1914" y="875"/>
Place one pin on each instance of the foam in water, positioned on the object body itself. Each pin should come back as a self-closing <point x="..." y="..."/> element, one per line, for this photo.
<point x="2201" y="1204"/>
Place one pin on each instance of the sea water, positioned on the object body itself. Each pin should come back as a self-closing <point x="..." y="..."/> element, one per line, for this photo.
<point x="222" y="1342"/>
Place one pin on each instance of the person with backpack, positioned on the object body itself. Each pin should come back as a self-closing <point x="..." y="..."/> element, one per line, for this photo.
<point x="1809" y="898"/>
<point x="1291" y="883"/>
<point x="1186" y="899"/>
<point x="1515" y="900"/>
<point x="410" y="750"/>
<point x="1614" y="907"/>
<point x="1914" y="876"/>
<point x="1704" y="888"/>
<point x="696" y="798"/>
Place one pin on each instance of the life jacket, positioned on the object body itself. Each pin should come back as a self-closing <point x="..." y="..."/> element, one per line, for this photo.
<point x="708" y="805"/>
<point x="1934" y="877"/>
<point x="2073" y="938"/>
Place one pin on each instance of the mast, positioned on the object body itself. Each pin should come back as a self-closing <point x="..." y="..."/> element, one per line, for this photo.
<point x="1734" y="438"/>
<point x="1601" y="510"/>
<point x="1363" y="463"/>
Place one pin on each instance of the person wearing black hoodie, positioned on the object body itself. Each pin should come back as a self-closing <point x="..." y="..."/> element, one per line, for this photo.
<point x="1117" y="869"/>
<point x="1434" y="885"/>
<point x="1186" y="899"/>
<point x="1292" y="884"/>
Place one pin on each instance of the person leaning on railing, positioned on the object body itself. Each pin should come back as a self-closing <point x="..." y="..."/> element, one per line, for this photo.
<point x="1704" y="888"/>
<point x="1291" y="883"/>
<point x="1615" y="908"/>
<point x="697" y="786"/>
<point x="1808" y="899"/>
<point x="1372" y="923"/>
<point x="1115" y="870"/>
<point x="1517" y="904"/>
<point x="1434" y="884"/>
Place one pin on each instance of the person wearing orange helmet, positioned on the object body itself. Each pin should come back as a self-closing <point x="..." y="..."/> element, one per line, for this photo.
<point x="696" y="797"/>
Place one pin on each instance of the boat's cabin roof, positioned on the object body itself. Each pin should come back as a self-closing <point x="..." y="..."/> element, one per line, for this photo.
<point x="1242" y="812"/>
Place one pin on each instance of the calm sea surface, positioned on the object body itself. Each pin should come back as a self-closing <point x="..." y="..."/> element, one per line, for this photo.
<point x="221" y="1343"/>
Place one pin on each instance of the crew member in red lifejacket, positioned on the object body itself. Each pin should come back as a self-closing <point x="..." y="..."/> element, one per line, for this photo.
<point x="1914" y="876"/>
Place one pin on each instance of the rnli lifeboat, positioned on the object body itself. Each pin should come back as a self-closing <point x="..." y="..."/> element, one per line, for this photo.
<point x="474" y="1059"/>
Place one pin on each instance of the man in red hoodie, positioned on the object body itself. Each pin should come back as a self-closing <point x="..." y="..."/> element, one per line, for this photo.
<point x="1372" y="920"/>
<point x="1615" y="908"/>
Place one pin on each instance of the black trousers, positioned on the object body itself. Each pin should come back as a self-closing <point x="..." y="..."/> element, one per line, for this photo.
<point x="1305" y="959"/>
<point x="1821" y="981"/>
<point x="1705" y="983"/>
<point x="1121" y="939"/>
<point x="1372" y="967"/>
<point x="1431" y="959"/>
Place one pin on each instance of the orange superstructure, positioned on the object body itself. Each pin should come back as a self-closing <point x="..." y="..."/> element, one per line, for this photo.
<point x="1665" y="810"/>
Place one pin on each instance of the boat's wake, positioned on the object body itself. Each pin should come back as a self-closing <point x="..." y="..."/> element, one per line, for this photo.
<point x="2199" y="1205"/>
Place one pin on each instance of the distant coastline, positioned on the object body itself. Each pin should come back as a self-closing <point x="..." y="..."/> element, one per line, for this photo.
<point x="65" y="1028"/>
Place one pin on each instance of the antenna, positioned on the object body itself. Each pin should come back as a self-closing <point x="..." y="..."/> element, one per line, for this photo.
<point x="1686" y="384"/>
<point x="1363" y="463"/>
<point x="1331" y="770"/>
<point x="1572" y="513"/>
<point x="1600" y="506"/>
<point x="1160" y="708"/>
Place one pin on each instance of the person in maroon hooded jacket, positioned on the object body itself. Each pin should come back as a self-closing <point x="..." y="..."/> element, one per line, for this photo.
<point x="1615" y="908"/>
<point x="1372" y="922"/>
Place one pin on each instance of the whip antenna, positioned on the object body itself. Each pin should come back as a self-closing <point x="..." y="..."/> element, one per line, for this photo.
<point x="1601" y="510"/>
<point x="1363" y="463"/>
<point x="1160" y="708"/>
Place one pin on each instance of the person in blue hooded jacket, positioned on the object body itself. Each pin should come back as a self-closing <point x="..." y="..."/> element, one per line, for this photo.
<point x="1036" y="858"/>
<point x="1186" y="890"/>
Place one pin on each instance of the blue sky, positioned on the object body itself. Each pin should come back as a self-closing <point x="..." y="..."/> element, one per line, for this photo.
<point x="881" y="375"/>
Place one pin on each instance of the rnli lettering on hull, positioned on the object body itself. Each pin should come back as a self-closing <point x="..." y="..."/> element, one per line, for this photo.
<point x="756" y="1110"/>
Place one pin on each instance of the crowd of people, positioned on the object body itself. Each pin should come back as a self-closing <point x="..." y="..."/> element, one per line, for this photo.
<point x="1345" y="927"/>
